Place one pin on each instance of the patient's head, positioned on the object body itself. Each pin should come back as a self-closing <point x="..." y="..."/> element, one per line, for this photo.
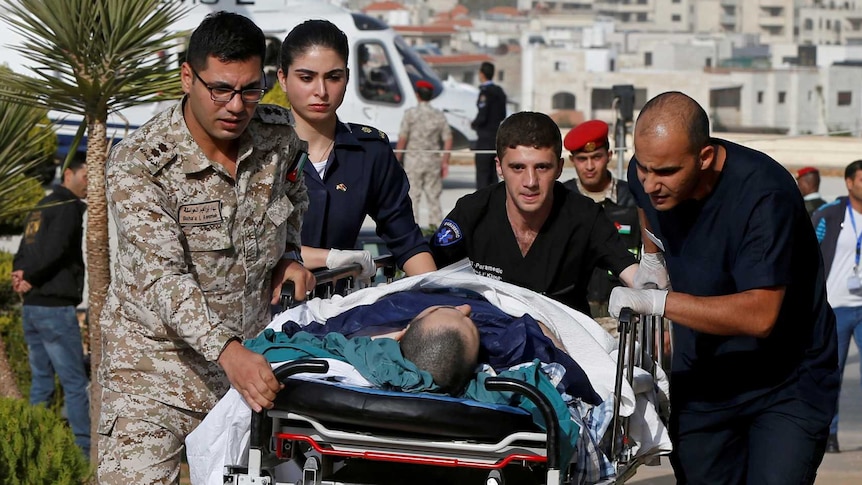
<point x="443" y="341"/>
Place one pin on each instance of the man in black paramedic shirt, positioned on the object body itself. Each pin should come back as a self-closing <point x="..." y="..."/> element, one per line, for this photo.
<point x="530" y="230"/>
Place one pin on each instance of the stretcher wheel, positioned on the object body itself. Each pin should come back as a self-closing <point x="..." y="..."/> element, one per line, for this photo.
<point x="495" y="478"/>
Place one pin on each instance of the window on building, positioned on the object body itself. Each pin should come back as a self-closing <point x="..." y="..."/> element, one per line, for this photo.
<point x="601" y="98"/>
<point x="782" y="97"/>
<point x="708" y="62"/>
<point x="808" y="24"/>
<point x="501" y="75"/>
<point x="563" y="100"/>
<point x="725" y="98"/>
<point x="647" y="58"/>
<point x="642" y="17"/>
<point x="760" y="97"/>
<point x="675" y="18"/>
<point x="845" y="98"/>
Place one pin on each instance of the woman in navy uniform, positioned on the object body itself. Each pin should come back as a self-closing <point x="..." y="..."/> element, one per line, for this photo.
<point x="351" y="170"/>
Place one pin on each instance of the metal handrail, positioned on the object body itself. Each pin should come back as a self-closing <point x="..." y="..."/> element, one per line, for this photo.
<point x="327" y="279"/>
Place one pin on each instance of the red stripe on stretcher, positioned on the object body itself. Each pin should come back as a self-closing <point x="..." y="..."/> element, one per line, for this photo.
<point x="400" y="457"/>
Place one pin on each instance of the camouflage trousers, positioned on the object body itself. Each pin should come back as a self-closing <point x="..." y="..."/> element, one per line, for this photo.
<point x="425" y="180"/>
<point x="141" y="440"/>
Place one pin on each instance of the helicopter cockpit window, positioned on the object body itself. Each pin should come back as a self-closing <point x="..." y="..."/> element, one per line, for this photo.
<point x="376" y="78"/>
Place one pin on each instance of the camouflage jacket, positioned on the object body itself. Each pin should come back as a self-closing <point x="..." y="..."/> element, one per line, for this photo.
<point x="425" y="128"/>
<point x="195" y="253"/>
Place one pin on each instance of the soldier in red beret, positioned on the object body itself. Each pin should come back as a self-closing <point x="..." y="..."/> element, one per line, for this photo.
<point x="808" y="180"/>
<point x="590" y="154"/>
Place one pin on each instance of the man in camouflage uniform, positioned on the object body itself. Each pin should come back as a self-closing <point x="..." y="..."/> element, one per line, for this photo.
<point x="208" y="207"/>
<point x="425" y="128"/>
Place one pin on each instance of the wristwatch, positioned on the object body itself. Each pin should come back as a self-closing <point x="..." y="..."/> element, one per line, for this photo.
<point x="293" y="254"/>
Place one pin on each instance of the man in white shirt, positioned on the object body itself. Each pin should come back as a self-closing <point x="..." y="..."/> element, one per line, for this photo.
<point x="839" y="230"/>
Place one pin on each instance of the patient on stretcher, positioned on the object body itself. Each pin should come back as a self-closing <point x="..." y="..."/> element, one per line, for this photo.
<point x="504" y="340"/>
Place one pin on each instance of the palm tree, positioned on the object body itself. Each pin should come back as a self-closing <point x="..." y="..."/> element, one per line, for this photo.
<point x="92" y="58"/>
<point x="23" y="138"/>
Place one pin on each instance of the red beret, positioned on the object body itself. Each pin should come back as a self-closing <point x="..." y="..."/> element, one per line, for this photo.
<point x="805" y="171"/>
<point x="423" y="84"/>
<point x="588" y="136"/>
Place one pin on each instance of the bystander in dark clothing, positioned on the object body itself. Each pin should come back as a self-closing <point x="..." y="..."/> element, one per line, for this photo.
<point x="49" y="271"/>
<point x="492" y="112"/>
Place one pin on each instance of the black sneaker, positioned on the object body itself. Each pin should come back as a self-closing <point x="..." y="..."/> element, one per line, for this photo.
<point x="832" y="444"/>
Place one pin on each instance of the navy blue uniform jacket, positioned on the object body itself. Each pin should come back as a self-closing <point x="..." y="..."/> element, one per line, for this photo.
<point x="362" y="178"/>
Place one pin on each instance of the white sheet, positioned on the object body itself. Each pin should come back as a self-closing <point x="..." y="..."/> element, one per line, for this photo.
<point x="219" y="440"/>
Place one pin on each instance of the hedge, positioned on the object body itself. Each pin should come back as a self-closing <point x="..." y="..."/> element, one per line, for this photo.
<point x="38" y="447"/>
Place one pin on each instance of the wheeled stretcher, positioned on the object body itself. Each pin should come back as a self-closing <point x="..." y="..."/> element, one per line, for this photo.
<point x="321" y="432"/>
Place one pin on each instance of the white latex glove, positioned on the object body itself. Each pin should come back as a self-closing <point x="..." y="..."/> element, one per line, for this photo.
<point x="342" y="257"/>
<point x="644" y="302"/>
<point x="652" y="272"/>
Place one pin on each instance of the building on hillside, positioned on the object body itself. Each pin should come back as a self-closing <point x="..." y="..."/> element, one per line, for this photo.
<point x="390" y="13"/>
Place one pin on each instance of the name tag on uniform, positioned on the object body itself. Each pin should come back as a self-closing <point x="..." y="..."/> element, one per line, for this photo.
<point x="200" y="214"/>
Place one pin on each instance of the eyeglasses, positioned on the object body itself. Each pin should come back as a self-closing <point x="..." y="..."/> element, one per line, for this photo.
<point x="225" y="95"/>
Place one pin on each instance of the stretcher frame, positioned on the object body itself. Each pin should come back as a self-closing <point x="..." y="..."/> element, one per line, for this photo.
<point x="275" y="433"/>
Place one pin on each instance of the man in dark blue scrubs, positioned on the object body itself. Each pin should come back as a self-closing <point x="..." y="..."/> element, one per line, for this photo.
<point x="755" y="373"/>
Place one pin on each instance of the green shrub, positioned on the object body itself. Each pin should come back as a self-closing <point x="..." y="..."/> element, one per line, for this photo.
<point x="38" y="447"/>
<point x="16" y="349"/>
<point x="8" y="298"/>
<point x="276" y="96"/>
<point x="26" y="192"/>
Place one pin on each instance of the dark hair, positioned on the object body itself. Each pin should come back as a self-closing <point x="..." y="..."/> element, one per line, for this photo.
<point x="424" y="94"/>
<point x="309" y="34"/>
<point x="227" y="36"/>
<point x="531" y="129"/>
<point x="487" y="70"/>
<point x="813" y="177"/>
<point x="76" y="163"/>
<point x="440" y="351"/>
<point x="850" y="171"/>
<point x="688" y="113"/>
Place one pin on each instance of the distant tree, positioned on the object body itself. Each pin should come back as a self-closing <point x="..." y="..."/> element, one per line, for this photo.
<point x="91" y="58"/>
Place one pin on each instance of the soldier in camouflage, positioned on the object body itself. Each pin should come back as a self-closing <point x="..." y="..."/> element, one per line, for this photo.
<point x="425" y="128"/>
<point x="208" y="202"/>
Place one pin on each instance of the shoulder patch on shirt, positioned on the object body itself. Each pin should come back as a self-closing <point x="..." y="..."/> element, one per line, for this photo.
<point x="362" y="132"/>
<point x="448" y="233"/>
<point x="272" y="114"/>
